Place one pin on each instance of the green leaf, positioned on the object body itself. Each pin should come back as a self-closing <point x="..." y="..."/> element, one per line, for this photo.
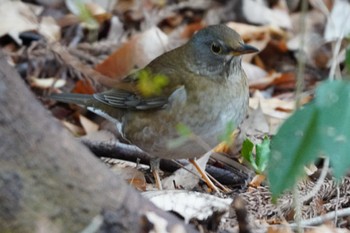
<point x="262" y="155"/>
<point x="86" y="17"/>
<point x="333" y="100"/>
<point x="347" y="59"/>
<point x="292" y="147"/>
<point x="321" y="128"/>
<point x="247" y="152"/>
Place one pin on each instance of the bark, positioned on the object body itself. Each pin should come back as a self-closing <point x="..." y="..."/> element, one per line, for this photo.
<point x="51" y="183"/>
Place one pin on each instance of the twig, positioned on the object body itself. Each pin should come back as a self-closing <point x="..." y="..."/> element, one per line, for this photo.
<point x="321" y="219"/>
<point x="298" y="91"/>
<point x="336" y="205"/>
<point x="301" y="55"/>
<point x="297" y="207"/>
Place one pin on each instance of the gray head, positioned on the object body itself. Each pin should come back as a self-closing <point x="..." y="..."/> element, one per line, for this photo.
<point x="216" y="49"/>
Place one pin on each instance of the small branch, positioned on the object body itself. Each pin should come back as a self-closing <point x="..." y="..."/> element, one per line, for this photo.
<point x="122" y="151"/>
<point x="301" y="55"/>
<point x="321" y="219"/>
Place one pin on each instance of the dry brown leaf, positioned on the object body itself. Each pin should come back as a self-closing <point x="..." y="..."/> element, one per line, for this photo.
<point x="279" y="229"/>
<point x="257" y="12"/>
<point x="255" y="125"/>
<point x="269" y="105"/>
<point x="250" y="32"/>
<point x="68" y="20"/>
<point x="275" y="110"/>
<point x="257" y="36"/>
<point x="88" y="125"/>
<point x="338" y="25"/>
<point x="83" y="87"/>
<point x="136" y="53"/>
<point x="254" y="73"/>
<point x="263" y="83"/>
<point x="131" y="175"/>
<point x="316" y="55"/>
<point x="17" y="17"/>
<point x="190" y="29"/>
<point x="45" y="83"/>
<point x="74" y="129"/>
<point x="98" y="12"/>
<point x="50" y="29"/>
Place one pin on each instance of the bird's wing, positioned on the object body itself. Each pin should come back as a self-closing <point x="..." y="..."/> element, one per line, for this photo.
<point x="132" y="92"/>
<point x="120" y="98"/>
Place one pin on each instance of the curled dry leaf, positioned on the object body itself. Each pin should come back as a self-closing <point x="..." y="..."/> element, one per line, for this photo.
<point x="269" y="105"/>
<point x="183" y="178"/>
<point x="281" y="81"/>
<point x="314" y="44"/>
<point x="254" y="73"/>
<point x="275" y="110"/>
<point x="133" y="176"/>
<point x="137" y="52"/>
<point x="74" y="129"/>
<point x="255" y="125"/>
<point x="257" y="36"/>
<point x="338" y="22"/>
<point x="88" y="125"/>
<point x="45" y="83"/>
<point x="50" y="29"/>
<point x="17" y="17"/>
<point x="279" y="229"/>
<point x="258" y="12"/>
<point x="188" y="204"/>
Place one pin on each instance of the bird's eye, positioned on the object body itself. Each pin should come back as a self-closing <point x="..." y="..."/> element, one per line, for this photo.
<point x="215" y="48"/>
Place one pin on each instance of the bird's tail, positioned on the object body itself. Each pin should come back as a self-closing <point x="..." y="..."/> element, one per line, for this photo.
<point x="70" y="98"/>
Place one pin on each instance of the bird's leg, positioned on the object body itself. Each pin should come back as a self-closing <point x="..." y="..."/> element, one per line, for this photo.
<point x="154" y="163"/>
<point x="204" y="175"/>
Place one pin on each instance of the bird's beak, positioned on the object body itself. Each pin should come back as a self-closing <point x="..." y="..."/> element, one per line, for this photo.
<point x="244" y="49"/>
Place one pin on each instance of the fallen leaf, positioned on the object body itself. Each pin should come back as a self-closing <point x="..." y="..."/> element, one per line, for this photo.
<point x="188" y="204"/>
<point x="190" y="29"/>
<point x="17" y="17"/>
<point x="45" y="83"/>
<point x="136" y="53"/>
<point x="253" y="72"/>
<point x="279" y="229"/>
<point x="256" y="124"/>
<point x="50" y="29"/>
<point x="133" y="176"/>
<point x="88" y="125"/>
<point x="83" y="87"/>
<point x="257" y="36"/>
<point x="338" y="22"/>
<point x="258" y="12"/>
<point x="74" y="129"/>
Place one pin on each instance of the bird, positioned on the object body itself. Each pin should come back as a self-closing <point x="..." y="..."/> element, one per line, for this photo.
<point x="200" y="85"/>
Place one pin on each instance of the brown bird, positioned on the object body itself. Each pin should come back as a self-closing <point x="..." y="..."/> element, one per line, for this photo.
<point x="200" y="85"/>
